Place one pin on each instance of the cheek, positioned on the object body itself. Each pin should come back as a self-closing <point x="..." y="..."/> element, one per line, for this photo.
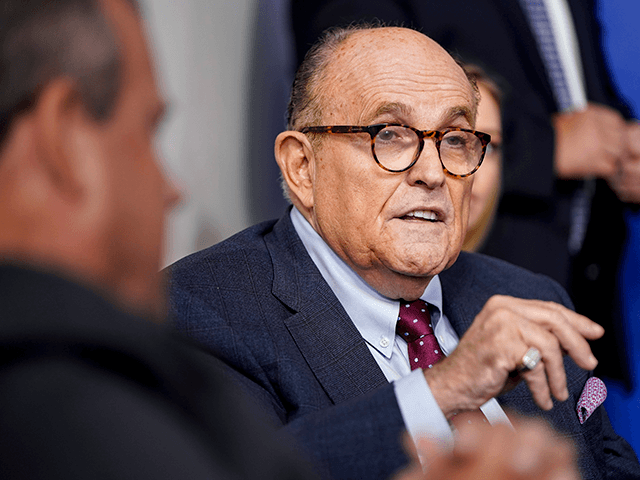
<point x="349" y="203"/>
<point x="341" y="206"/>
<point x="346" y="185"/>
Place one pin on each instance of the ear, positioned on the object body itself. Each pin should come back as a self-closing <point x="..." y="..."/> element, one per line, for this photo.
<point x="57" y="113"/>
<point x="296" y="160"/>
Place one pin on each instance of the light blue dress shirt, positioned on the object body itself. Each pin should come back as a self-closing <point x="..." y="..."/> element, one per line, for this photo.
<point x="375" y="317"/>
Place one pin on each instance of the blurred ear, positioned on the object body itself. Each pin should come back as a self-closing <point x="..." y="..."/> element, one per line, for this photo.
<point x="295" y="158"/>
<point x="57" y="115"/>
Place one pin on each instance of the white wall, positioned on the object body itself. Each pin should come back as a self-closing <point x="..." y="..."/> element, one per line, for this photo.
<point x="202" y="50"/>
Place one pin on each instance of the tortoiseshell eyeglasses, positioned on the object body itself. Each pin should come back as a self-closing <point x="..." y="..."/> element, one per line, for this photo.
<point x="396" y="148"/>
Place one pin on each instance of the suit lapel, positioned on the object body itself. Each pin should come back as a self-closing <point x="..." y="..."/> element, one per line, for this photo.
<point x="322" y="330"/>
<point x="461" y="298"/>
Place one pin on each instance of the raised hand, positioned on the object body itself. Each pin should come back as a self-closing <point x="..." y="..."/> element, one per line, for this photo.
<point x="626" y="180"/>
<point x="493" y="348"/>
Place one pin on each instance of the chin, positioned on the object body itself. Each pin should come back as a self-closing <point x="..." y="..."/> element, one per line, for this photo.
<point x="423" y="263"/>
<point x="143" y="299"/>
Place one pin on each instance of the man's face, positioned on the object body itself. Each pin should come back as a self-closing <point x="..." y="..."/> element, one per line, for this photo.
<point x="373" y="219"/>
<point x="137" y="195"/>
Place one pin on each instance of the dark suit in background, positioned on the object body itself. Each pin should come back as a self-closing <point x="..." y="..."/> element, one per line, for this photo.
<point x="87" y="391"/>
<point x="533" y="220"/>
<point x="260" y="303"/>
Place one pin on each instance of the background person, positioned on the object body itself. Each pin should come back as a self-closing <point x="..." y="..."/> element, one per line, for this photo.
<point x="487" y="181"/>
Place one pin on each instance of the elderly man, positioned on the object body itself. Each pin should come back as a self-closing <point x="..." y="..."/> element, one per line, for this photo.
<point x="87" y="389"/>
<point x="564" y="128"/>
<point x="325" y="315"/>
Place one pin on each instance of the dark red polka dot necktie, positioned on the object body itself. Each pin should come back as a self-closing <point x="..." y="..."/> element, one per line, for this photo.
<point x="414" y="325"/>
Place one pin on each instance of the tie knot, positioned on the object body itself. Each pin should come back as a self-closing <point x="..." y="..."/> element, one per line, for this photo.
<point x="414" y="320"/>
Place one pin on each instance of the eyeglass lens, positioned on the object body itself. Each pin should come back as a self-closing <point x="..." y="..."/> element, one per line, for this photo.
<point x="397" y="147"/>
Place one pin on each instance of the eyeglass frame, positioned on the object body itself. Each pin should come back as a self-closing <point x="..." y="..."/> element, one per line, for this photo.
<point x="437" y="135"/>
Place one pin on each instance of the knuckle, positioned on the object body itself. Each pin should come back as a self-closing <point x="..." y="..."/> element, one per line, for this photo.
<point x="550" y="343"/>
<point x="557" y="312"/>
<point x="495" y="301"/>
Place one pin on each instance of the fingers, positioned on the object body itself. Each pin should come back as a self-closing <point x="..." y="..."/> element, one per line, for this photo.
<point x="589" y="142"/>
<point x="538" y="385"/>
<point x="482" y="365"/>
<point x="553" y="330"/>
<point x="570" y="329"/>
<point x="530" y="451"/>
<point x="633" y="138"/>
<point x="542" y="311"/>
<point x="537" y="452"/>
<point x="626" y="181"/>
<point x="548" y="377"/>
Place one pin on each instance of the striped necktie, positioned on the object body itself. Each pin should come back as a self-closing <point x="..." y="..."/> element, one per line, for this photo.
<point x="538" y="16"/>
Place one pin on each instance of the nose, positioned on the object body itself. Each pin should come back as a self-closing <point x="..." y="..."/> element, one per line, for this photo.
<point x="427" y="169"/>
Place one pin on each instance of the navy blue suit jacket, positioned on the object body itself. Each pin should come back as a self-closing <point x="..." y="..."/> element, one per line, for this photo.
<point x="258" y="301"/>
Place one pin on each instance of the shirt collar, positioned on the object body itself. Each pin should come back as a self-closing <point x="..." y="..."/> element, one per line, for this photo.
<point x="373" y="314"/>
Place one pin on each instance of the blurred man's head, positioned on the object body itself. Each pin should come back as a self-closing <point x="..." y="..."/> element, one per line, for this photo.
<point x="396" y="223"/>
<point x="81" y="190"/>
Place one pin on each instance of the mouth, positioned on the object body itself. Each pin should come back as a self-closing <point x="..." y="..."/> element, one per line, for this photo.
<point x="422" y="216"/>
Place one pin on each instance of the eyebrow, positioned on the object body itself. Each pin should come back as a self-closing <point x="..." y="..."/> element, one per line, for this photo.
<point x="396" y="109"/>
<point x="461" y="111"/>
<point x="403" y="112"/>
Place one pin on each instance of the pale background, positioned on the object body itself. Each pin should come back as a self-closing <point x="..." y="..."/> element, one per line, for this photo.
<point x="223" y="162"/>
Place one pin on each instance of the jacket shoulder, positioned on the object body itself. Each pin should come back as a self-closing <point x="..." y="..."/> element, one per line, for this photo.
<point x="234" y="254"/>
<point x="493" y="276"/>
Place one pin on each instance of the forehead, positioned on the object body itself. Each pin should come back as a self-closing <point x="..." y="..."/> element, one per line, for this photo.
<point x="398" y="74"/>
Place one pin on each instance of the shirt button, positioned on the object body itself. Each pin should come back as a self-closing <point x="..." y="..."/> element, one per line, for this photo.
<point x="384" y="342"/>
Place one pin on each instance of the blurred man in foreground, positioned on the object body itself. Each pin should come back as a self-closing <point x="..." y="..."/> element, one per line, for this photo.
<point x="338" y="316"/>
<point x="87" y="389"/>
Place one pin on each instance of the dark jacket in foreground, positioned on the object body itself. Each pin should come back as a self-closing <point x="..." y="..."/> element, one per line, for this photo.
<point x="260" y="303"/>
<point x="88" y="392"/>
